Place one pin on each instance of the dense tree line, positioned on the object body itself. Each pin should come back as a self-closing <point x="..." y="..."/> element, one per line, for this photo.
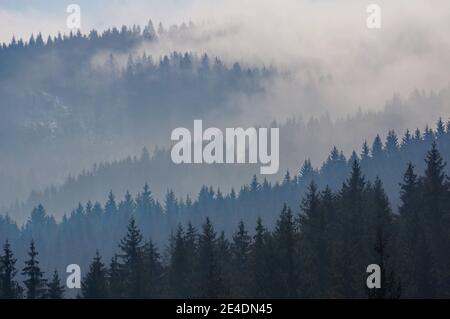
<point x="321" y="251"/>
<point x="81" y="96"/>
<point x="62" y="243"/>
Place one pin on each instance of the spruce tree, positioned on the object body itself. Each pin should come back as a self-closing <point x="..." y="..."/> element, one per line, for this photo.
<point x="55" y="290"/>
<point x="153" y="271"/>
<point x="350" y="257"/>
<point x="179" y="285"/>
<point x="261" y="261"/>
<point x="436" y="194"/>
<point x="314" y="246"/>
<point x="285" y="244"/>
<point x="209" y="274"/>
<point x="191" y="240"/>
<point x="132" y="266"/>
<point x="9" y="287"/>
<point x="412" y="250"/>
<point x="94" y="284"/>
<point x="115" y="279"/>
<point x="34" y="278"/>
<point x="240" y="250"/>
<point x="381" y="242"/>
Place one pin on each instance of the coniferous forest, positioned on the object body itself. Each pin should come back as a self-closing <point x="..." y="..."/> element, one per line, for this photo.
<point x="319" y="249"/>
<point x="96" y="100"/>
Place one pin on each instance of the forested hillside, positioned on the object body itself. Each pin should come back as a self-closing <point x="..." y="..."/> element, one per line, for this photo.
<point x="72" y="100"/>
<point x="356" y="202"/>
<point x="385" y="158"/>
<point x="320" y="250"/>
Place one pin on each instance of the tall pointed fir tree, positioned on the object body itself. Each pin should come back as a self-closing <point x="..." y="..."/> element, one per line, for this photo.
<point x="115" y="279"/>
<point x="209" y="274"/>
<point x="34" y="278"/>
<point x="179" y="285"/>
<point x="133" y="265"/>
<point x="314" y="246"/>
<point x="240" y="263"/>
<point x="261" y="261"/>
<point x="9" y="287"/>
<point x="94" y="284"/>
<point x="55" y="290"/>
<point x="436" y="203"/>
<point x="285" y="243"/>
<point x="350" y="256"/>
<point x="380" y="240"/>
<point x="412" y="252"/>
<point x="153" y="271"/>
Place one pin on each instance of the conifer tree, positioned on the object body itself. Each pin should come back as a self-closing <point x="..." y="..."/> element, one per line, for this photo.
<point x="351" y="255"/>
<point x="285" y="242"/>
<point x="377" y="147"/>
<point x="34" y="278"/>
<point x="94" y="284"/>
<point x="9" y="287"/>
<point x="153" y="271"/>
<point x="209" y="276"/>
<point x="412" y="248"/>
<point x="55" y="290"/>
<point x="261" y="262"/>
<point x="115" y="279"/>
<point x="314" y="246"/>
<point x="435" y="201"/>
<point x="132" y="266"/>
<point x="111" y="206"/>
<point x="223" y="253"/>
<point x="240" y="262"/>
<point x="178" y="276"/>
<point x="380" y="240"/>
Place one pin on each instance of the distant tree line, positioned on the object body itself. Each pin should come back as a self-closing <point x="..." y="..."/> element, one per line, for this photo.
<point x="321" y="252"/>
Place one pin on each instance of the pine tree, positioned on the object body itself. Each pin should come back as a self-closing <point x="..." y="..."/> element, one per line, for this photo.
<point x="440" y="127"/>
<point x="406" y="140"/>
<point x="179" y="285"/>
<point x="411" y="236"/>
<point x="153" y="271"/>
<point x="285" y="242"/>
<point x="380" y="240"/>
<point x="132" y="265"/>
<point x="223" y="253"/>
<point x="9" y="288"/>
<point x="314" y="246"/>
<point x="145" y="202"/>
<point x="94" y="284"/>
<point x="171" y="206"/>
<point x="127" y="206"/>
<point x="350" y="258"/>
<point x="391" y="143"/>
<point x="149" y="32"/>
<point x="240" y="250"/>
<point x="261" y="261"/>
<point x="377" y="147"/>
<point x="55" y="290"/>
<point x="191" y="240"/>
<point x="210" y="280"/>
<point x="111" y="206"/>
<point x="435" y="192"/>
<point x="365" y="153"/>
<point x="34" y="278"/>
<point x="115" y="279"/>
<point x="435" y="189"/>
